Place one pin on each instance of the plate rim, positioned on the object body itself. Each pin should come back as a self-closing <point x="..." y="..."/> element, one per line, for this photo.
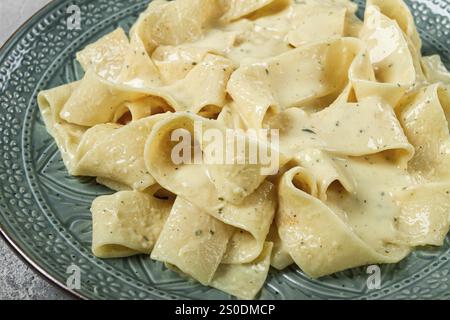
<point x="8" y="239"/>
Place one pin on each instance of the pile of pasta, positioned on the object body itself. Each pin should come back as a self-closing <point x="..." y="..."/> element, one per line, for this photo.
<point x="363" y="124"/>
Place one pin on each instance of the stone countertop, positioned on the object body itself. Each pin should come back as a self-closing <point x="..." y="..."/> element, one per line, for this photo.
<point x="17" y="280"/>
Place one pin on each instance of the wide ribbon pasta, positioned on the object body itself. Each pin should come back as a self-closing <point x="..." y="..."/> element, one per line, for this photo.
<point x="127" y="223"/>
<point x="359" y="122"/>
<point x="239" y="135"/>
<point x="125" y="163"/>
<point x="67" y="135"/>
<point x="317" y="237"/>
<point x="238" y="198"/>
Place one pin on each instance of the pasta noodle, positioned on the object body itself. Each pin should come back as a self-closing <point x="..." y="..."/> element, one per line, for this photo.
<point x="186" y="116"/>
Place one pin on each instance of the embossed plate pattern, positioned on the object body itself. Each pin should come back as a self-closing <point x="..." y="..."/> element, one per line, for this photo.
<point x="45" y="213"/>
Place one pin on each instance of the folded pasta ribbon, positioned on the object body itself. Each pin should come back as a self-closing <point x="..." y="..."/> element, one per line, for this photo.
<point x="234" y="194"/>
<point x="318" y="238"/>
<point x="127" y="223"/>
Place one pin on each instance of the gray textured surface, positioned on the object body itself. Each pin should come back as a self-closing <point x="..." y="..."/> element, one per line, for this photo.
<point x="17" y="280"/>
<point x="15" y="12"/>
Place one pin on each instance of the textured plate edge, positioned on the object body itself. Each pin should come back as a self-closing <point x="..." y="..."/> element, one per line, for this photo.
<point x="36" y="266"/>
<point x="19" y="250"/>
<point x="16" y="248"/>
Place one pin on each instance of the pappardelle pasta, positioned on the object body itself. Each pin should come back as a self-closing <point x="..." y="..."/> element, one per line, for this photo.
<point x="362" y="122"/>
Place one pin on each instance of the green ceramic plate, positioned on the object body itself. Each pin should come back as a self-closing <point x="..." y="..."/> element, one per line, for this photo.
<point x="44" y="213"/>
